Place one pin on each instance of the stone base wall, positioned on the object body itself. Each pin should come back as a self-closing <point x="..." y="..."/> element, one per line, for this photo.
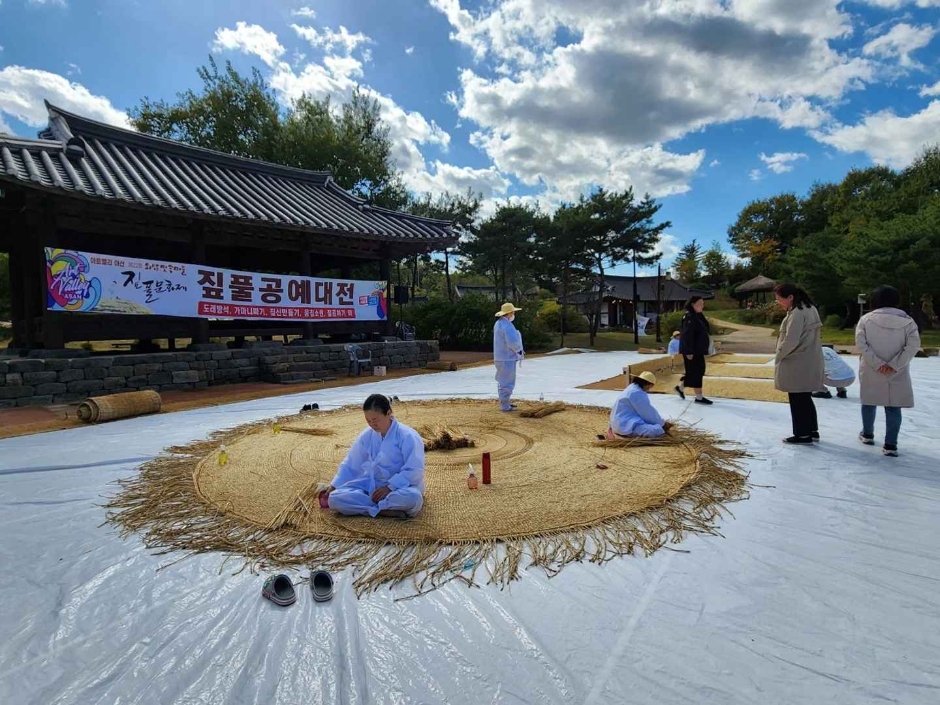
<point x="45" y="379"/>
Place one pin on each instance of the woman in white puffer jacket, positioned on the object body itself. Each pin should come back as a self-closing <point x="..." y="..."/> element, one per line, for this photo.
<point x="888" y="340"/>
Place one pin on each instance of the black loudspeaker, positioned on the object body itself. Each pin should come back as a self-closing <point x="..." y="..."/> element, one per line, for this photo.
<point x="401" y="294"/>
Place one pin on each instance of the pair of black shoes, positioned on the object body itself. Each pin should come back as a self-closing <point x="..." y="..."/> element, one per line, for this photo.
<point x="802" y="440"/>
<point x="681" y="392"/>
<point x="841" y="393"/>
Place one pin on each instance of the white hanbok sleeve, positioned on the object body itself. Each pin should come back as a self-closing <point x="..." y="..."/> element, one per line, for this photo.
<point x="412" y="469"/>
<point x="513" y="338"/>
<point x="645" y="409"/>
<point x="351" y="467"/>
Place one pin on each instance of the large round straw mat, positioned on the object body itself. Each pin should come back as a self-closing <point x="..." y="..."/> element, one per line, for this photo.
<point x="545" y="474"/>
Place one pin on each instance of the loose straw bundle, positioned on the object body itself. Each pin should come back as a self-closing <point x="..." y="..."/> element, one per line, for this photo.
<point x="541" y="410"/>
<point x="557" y="497"/>
<point x="309" y="431"/>
<point x="444" y="438"/>
<point x="119" y="406"/>
<point x="442" y="365"/>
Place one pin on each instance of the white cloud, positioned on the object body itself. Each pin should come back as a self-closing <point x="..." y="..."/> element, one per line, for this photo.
<point x="336" y="78"/>
<point x="668" y="246"/>
<point x="886" y="137"/>
<point x="47" y="3"/>
<point x="900" y="42"/>
<point x="249" y="39"/>
<point x="714" y="162"/>
<point x="73" y="70"/>
<point x="23" y="90"/>
<point x="455" y="179"/>
<point x="306" y="12"/>
<point x="4" y="127"/>
<point x="409" y="50"/>
<point x="327" y="39"/>
<point x="781" y="162"/>
<point x="634" y="76"/>
<point x="930" y="90"/>
<point x="755" y="174"/>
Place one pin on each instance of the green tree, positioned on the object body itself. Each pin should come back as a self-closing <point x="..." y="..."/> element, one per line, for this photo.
<point x="461" y="210"/>
<point x="560" y="253"/>
<point x="233" y="114"/>
<point x="618" y="230"/>
<point x="502" y="246"/>
<point x="765" y="230"/>
<point x="688" y="261"/>
<point x="716" y="265"/>
<point x="240" y="115"/>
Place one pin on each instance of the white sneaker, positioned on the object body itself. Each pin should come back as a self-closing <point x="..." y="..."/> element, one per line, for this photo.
<point x="869" y="441"/>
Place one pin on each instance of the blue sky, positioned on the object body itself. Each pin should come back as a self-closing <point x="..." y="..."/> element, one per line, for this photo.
<point x="707" y="104"/>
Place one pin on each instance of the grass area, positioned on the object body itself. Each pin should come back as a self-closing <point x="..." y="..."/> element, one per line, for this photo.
<point x="928" y="338"/>
<point x="734" y="315"/>
<point x="607" y="341"/>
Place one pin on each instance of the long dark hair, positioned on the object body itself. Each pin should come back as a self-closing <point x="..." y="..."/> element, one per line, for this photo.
<point x="377" y="403"/>
<point x="800" y="298"/>
<point x="692" y="301"/>
<point x="885" y="297"/>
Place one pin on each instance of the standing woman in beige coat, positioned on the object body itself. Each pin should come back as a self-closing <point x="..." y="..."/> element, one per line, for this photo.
<point x="888" y="340"/>
<point x="799" y="369"/>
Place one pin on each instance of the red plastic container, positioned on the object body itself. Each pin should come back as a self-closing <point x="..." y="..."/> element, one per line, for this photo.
<point x="486" y="468"/>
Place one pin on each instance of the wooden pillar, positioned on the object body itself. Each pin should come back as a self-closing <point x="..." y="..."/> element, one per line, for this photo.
<point x="44" y="330"/>
<point x="17" y="281"/>
<point x="306" y="270"/>
<point x="200" y="328"/>
<point x="385" y="273"/>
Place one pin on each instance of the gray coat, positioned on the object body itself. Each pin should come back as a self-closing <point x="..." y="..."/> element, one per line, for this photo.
<point x="799" y="361"/>
<point x="886" y="336"/>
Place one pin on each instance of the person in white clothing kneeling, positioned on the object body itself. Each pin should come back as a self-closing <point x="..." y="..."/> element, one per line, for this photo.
<point x="838" y="375"/>
<point x="383" y="472"/>
<point x="633" y="414"/>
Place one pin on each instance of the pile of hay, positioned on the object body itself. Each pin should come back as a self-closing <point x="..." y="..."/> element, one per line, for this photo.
<point x="557" y="497"/>
<point x="541" y="409"/>
<point x="444" y="438"/>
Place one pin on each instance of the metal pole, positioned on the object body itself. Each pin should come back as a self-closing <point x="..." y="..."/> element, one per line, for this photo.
<point x="659" y="302"/>
<point x="636" y="333"/>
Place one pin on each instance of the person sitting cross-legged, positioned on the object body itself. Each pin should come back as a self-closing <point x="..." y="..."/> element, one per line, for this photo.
<point x="383" y="473"/>
<point x="633" y="413"/>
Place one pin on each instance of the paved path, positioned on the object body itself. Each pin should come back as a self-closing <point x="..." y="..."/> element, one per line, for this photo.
<point x="745" y="339"/>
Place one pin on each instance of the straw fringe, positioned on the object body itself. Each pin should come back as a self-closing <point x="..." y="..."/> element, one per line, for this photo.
<point x="437" y="437"/>
<point x="163" y="504"/>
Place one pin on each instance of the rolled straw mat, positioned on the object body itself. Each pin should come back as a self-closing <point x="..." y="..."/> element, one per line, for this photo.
<point x="718" y="387"/>
<point x="730" y="358"/>
<point x="442" y="365"/>
<point x="119" y="406"/>
<point x="547" y="499"/>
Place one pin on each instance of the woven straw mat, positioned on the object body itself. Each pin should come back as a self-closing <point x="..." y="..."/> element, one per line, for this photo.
<point x="544" y="472"/>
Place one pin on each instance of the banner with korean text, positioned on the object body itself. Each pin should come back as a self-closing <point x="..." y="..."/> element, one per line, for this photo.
<point x="91" y="283"/>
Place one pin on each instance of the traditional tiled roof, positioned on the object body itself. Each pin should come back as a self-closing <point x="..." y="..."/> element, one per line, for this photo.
<point x="622" y="288"/>
<point x="85" y="158"/>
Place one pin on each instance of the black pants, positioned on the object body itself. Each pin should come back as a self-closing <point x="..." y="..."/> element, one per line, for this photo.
<point x="694" y="371"/>
<point x="803" y="413"/>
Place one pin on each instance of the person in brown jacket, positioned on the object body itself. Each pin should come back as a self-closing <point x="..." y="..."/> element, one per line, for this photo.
<point x="799" y="369"/>
<point x="888" y="340"/>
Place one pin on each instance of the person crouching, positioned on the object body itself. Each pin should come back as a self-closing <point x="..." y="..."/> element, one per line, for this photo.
<point x="633" y="413"/>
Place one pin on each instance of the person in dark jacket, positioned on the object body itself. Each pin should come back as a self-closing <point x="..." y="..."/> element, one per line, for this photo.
<point x="694" y="341"/>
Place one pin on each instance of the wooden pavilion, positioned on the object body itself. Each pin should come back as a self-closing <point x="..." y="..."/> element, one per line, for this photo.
<point x="758" y="287"/>
<point x="88" y="186"/>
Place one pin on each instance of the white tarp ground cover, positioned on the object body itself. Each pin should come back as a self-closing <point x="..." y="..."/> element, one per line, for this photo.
<point x="825" y="587"/>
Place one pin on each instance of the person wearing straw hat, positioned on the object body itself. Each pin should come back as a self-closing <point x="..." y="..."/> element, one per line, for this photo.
<point x="633" y="413"/>
<point x="673" y="348"/>
<point x="383" y="472"/>
<point x="507" y="351"/>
